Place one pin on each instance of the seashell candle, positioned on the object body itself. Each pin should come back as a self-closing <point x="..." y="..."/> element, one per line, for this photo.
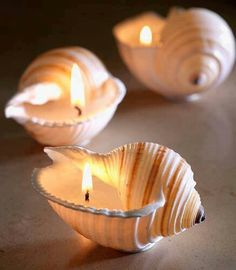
<point x="142" y="193"/>
<point x="66" y="96"/>
<point x="181" y="56"/>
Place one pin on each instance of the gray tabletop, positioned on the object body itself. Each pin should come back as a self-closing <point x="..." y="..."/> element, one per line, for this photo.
<point x="32" y="236"/>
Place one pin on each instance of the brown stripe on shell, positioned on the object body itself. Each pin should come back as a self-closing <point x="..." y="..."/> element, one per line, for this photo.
<point x="48" y="66"/>
<point x="65" y="54"/>
<point x="106" y="165"/>
<point x="69" y="57"/>
<point x="167" y="196"/>
<point x="137" y="160"/>
<point x="122" y="158"/>
<point x="153" y="173"/>
<point x="96" y="61"/>
<point x="61" y="54"/>
<point x="176" y="187"/>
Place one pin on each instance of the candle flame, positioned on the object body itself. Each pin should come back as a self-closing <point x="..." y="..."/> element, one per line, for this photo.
<point x="77" y="93"/>
<point x="87" y="181"/>
<point x="145" y="36"/>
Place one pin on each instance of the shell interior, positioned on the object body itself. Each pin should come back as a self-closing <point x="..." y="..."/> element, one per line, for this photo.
<point x="128" y="32"/>
<point x="107" y="96"/>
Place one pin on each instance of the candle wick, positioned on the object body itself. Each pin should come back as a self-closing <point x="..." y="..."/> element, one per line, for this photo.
<point x="86" y="196"/>
<point x="78" y="110"/>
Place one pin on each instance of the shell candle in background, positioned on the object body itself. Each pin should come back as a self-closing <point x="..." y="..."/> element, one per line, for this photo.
<point x="142" y="192"/>
<point x="66" y="96"/>
<point x="180" y="56"/>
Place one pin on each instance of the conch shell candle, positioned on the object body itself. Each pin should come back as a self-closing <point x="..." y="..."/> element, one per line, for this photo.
<point x="186" y="54"/>
<point x="148" y="193"/>
<point x="66" y="96"/>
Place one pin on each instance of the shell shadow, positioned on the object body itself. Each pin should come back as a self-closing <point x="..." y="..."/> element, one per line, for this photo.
<point x="17" y="144"/>
<point x="107" y="258"/>
<point x="72" y="251"/>
<point x="95" y="253"/>
<point x="143" y="99"/>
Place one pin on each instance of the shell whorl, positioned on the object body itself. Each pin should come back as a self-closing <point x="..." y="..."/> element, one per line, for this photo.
<point x="192" y="51"/>
<point x="197" y="53"/>
<point x="55" y="66"/>
<point x="145" y="173"/>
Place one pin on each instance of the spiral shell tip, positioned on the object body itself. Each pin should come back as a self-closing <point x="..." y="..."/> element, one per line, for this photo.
<point x="200" y="215"/>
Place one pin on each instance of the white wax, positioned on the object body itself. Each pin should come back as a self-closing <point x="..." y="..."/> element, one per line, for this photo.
<point x="61" y="109"/>
<point x="128" y="31"/>
<point x="64" y="181"/>
<point x="102" y="196"/>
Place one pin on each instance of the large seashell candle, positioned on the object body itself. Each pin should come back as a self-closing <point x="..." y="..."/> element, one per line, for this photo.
<point x="66" y="96"/>
<point x="142" y="193"/>
<point x="184" y="55"/>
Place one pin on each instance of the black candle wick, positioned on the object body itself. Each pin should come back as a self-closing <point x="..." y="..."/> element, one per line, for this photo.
<point x="78" y="110"/>
<point x="86" y="196"/>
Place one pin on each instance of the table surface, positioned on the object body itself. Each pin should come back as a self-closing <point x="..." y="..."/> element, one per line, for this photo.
<point x="32" y="236"/>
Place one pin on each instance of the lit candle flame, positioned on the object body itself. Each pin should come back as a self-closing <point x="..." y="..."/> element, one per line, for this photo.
<point x="87" y="181"/>
<point x="77" y="93"/>
<point x="145" y="36"/>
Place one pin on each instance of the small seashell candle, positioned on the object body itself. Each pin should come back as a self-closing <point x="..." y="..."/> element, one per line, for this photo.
<point x="66" y="96"/>
<point x="184" y="55"/>
<point x="142" y="192"/>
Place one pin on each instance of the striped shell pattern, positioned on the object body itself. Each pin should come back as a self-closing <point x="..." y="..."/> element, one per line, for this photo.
<point x="52" y="71"/>
<point x="155" y="185"/>
<point x="196" y="52"/>
<point x="55" y="66"/>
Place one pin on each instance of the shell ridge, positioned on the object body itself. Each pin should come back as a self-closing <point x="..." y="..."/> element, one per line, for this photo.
<point x="173" y="211"/>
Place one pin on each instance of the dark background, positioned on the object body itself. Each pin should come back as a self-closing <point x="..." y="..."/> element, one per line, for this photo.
<point x="28" y="28"/>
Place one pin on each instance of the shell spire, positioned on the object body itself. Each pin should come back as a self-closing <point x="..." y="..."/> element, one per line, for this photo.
<point x="200" y="54"/>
